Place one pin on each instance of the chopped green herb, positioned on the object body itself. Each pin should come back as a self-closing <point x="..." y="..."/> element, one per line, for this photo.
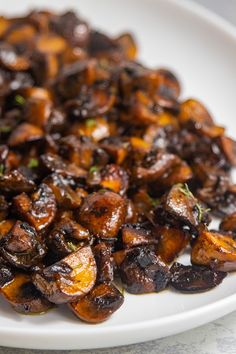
<point x="185" y="190"/>
<point x="5" y="129"/>
<point x="154" y="201"/>
<point x="90" y="123"/>
<point x="72" y="246"/>
<point x="33" y="163"/>
<point x="201" y="211"/>
<point x="93" y="169"/>
<point x="1" y="169"/>
<point x="19" y="100"/>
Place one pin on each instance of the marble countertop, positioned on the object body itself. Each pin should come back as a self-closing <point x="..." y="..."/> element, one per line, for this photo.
<point x="218" y="337"/>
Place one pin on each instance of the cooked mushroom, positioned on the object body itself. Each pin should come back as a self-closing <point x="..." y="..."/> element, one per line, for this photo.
<point x="22" y="247"/>
<point x="215" y="250"/>
<point x="171" y="242"/>
<point x="39" y="209"/>
<point x="143" y="272"/>
<point x="103" y="257"/>
<point x="24" y="297"/>
<point x="69" y="279"/>
<point x="98" y="305"/>
<point x="194" y="278"/>
<point x="103" y="213"/>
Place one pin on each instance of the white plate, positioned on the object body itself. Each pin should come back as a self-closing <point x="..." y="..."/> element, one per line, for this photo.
<point x="201" y="48"/>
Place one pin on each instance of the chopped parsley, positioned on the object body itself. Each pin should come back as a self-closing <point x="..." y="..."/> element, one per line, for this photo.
<point x="90" y="123"/>
<point x="1" y="169"/>
<point x="94" y="169"/>
<point x="19" y="100"/>
<point x="72" y="246"/>
<point x="5" y="129"/>
<point x="33" y="163"/>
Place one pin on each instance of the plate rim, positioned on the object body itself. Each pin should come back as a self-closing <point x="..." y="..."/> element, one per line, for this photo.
<point x="212" y="310"/>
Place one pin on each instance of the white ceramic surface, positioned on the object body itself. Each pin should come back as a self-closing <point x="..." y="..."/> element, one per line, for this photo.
<point x="201" y="49"/>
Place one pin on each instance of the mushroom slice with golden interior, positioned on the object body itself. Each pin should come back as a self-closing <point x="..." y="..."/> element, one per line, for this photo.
<point x="72" y="277"/>
<point x="24" y="297"/>
<point x="215" y="250"/>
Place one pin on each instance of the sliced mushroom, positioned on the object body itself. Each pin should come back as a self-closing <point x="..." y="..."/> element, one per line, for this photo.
<point x="67" y="236"/>
<point x="21" y="246"/>
<point x="215" y="250"/>
<point x="229" y="223"/>
<point x="194" y="278"/>
<point x="25" y="133"/>
<point x="24" y="297"/>
<point x="66" y="197"/>
<point x="172" y="241"/>
<point x="135" y="235"/>
<point x="103" y="213"/>
<point x="97" y="306"/>
<point x="16" y="182"/>
<point x="39" y="209"/>
<point x="115" y="178"/>
<point x="68" y="279"/>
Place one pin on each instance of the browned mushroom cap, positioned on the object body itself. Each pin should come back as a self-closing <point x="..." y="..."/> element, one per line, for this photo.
<point x="168" y="84"/>
<point x="116" y="148"/>
<point x="215" y="250"/>
<point x="50" y="43"/>
<point x="10" y="60"/>
<point x="68" y="279"/>
<point x="4" y="25"/>
<point x="103" y="257"/>
<point x="172" y="241"/>
<point x="36" y="93"/>
<point x="39" y="209"/>
<point x="103" y="213"/>
<point x="228" y="146"/>
<point x="194" y="110"/>
<point x="115" y="178"/>
<point x="24" y="297"/>
<point x="25" y="133"/>
<point x="143" y="272"/>
<point x="66" y="237"/>
<point x="181" y="205"/>
<point x="134" y="235"/>
<point x="66" y="197"/>
<point x="154" y="166"/>
<point x="55" y="163"/>
<point x="22" y="247"/>
<point x="128" y="45"/>
<point x="97" y="306"/>
<point x="21" y="33"/>
<point x="229" y="223"/>
<point x="180" y="173"/>
<point x="16" y="182"/>
<point x="37" y="111"/>
<point x="193" y="278"/>
<point x="72" y="28"/>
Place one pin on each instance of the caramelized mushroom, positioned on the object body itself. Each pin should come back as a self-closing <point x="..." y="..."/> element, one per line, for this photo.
<point x="215" y="250"/>
<point x="143" y="272"/>
<point x="194" y="278"/>
<point x="24" y="297"/>
<point x="39" y="209"/>
<point x="68" y="279"/>
<point x="97" y="306"/>
<point x="103" y="213"/>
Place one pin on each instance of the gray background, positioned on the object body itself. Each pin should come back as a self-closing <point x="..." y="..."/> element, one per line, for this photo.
<point x="218" y="337"/>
